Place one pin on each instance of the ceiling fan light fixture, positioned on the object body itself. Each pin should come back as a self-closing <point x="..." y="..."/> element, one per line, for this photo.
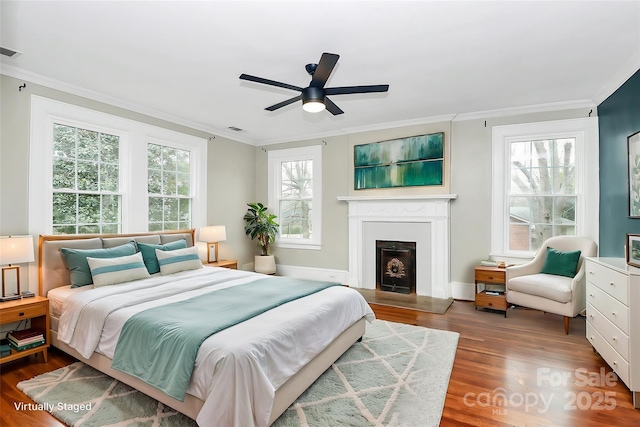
<point x="313" y="106"/>
<point x="313" y="99"/>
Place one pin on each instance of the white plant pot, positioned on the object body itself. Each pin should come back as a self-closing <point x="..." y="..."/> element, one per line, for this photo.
<point x="265" y="264"/>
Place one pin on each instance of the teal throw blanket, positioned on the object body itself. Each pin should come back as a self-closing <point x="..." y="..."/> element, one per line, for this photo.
<point x="159" y="345"/>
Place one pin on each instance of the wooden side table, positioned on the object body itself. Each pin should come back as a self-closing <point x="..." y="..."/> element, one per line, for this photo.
<point x="34" y="308"/>
<point x="229" y="263"/>
<point x="496" y="279"/>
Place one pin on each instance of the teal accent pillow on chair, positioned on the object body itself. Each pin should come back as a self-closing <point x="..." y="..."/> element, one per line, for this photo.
<point x="76" y="260"/>
<point x="149" y="253"/>
<point x="561" y="263"/>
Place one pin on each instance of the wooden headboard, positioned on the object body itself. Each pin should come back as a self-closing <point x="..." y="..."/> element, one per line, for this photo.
<point x="52" y="271"/>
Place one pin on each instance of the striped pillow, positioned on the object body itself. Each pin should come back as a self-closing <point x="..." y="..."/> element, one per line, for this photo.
<point x="178" y="260"/>
<point x="109" y="271"/>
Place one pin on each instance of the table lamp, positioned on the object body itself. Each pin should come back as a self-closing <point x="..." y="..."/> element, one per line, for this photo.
<point x="14" y="250"/>
<point x="212" y="235"/>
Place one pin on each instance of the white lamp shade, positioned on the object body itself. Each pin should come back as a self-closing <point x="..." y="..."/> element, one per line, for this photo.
<point x="16" y="249"/>
<point x="213" y="233"/>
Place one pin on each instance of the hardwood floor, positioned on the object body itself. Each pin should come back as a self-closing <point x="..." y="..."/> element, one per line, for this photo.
<point x="516" y="371"/>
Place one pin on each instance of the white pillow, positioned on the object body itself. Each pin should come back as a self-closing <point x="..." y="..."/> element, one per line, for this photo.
<point x="178" y="260"/>
<point x="109" y="271"/>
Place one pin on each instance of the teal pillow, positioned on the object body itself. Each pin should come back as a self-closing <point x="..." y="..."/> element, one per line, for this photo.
<point x="149" y="253"/>
<point x="76" y="260"/>
<point x="561" y="263"/>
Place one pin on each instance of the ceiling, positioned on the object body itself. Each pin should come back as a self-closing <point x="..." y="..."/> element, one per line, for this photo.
<point x="180" y="61"/>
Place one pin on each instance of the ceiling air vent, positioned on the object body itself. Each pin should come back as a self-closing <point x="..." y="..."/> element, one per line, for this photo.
<point x="9" y="52"/>
<point x="235" y="128"/>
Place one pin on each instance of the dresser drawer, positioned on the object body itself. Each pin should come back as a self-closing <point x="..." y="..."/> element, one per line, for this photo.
<point x="15" y="314"/>
<point x="614" y="336"/>
<point x="612" y="282"/>
<point x="484" y="276"/>
<point x="619" y="365"/>
<point x="496" y="302"/>
<point x="610" y="307"/>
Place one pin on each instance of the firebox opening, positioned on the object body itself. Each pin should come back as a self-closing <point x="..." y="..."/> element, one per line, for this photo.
<point x="396" y="266"/>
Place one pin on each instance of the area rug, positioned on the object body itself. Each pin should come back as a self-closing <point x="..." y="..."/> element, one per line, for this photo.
<point x="397" y="376"/>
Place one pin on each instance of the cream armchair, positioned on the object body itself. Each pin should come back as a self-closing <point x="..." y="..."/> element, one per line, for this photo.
<point x="528" y="287"/>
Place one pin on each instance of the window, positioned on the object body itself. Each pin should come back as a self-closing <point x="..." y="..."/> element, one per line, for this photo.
<point x="87" y="173"/>
<point x="295" y="195"/>
<point x="169" y="188"/>
<point x="86" y="183"/>
<point x="545" y="184"/>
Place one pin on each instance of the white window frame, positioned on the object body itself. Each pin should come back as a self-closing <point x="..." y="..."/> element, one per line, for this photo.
<point x="134" y="137"/>
<point x="275" y="160"/>
<point x="585" y="132"/>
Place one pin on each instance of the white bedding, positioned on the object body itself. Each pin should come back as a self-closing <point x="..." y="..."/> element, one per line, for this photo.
<point x="56" y="298"/>
<point x="237" y="370"/>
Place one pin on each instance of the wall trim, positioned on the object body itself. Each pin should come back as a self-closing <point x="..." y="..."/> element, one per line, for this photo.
<point x="526" y="109"/>
<point x="312" y="273"/>
<point x="39" y="79"/>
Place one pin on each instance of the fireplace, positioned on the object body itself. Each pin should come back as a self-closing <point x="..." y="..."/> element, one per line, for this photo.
<point x="396" y="266"/>
<point x="423" y="219"/>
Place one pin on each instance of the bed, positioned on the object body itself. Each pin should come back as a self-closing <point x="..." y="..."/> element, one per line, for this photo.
<point x="247" y="374"/>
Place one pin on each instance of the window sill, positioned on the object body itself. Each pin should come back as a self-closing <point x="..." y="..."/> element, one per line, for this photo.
<point x="287" y="245"/>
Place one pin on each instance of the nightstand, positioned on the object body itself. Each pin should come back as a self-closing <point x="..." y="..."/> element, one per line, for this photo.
<point x="34" y="308"/>
<point x="228" y="263"/>
<point x="492" y="297"/>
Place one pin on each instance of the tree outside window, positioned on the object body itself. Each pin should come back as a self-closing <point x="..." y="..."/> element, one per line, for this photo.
<point x="296" y="199"/>
<point x="542" y="194"/>
<point x="86" y="185"/>
<point x="169" y="188"/>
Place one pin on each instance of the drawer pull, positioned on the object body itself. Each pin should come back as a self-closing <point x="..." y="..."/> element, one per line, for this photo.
<point x="615" y="363"/>
<point x="591" y="295"/>
<point x="615" y="339"/>
<point x="591" y="316"/>
<point x="612" y="284"/>
<point x="21" y="313"/>
<point x="613" y="313"/>
<point x="590" y="272"/>
<point x="491" y="278"/>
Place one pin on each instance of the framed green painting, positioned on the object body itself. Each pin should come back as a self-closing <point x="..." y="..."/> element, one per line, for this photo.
<point x="406" y="162"/>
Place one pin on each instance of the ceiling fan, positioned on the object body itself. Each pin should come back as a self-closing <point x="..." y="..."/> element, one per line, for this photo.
<point x="314" y="97"/>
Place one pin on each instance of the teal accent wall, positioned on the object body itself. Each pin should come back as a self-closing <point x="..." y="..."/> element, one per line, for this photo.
<point x="618" y="117"/>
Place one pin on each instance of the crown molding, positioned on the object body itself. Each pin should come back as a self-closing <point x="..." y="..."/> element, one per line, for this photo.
<point x="39" y="79"/>
<point x="359" y="129"/>
<point x="527" y="109"/>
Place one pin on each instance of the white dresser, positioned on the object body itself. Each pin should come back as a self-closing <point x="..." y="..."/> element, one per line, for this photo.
<point x="613" y="317"/>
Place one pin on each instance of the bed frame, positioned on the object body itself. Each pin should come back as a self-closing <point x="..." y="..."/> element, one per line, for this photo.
<point x="53" y="273"/>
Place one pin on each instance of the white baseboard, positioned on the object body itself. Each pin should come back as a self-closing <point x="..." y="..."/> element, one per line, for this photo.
<point x="463" y="291"/>
<point x="459" y="290"/>
<point x="312" y="273"/>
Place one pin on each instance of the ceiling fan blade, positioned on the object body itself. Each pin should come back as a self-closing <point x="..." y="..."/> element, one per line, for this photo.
<point x="324" y="69"/>
<point x="332" y="108"/>
<point x="356" y="89"/>
<point x="284" y="103"/>
<point x="269" y="82"/>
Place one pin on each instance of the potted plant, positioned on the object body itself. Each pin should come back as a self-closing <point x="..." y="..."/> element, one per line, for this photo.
<point x="260" y="225"/>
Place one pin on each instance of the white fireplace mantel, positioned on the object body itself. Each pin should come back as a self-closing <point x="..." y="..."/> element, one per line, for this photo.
<point x="419" y="210"/>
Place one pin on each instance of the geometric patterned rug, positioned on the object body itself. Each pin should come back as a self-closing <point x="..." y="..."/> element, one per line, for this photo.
<point x="397" y="376"/>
